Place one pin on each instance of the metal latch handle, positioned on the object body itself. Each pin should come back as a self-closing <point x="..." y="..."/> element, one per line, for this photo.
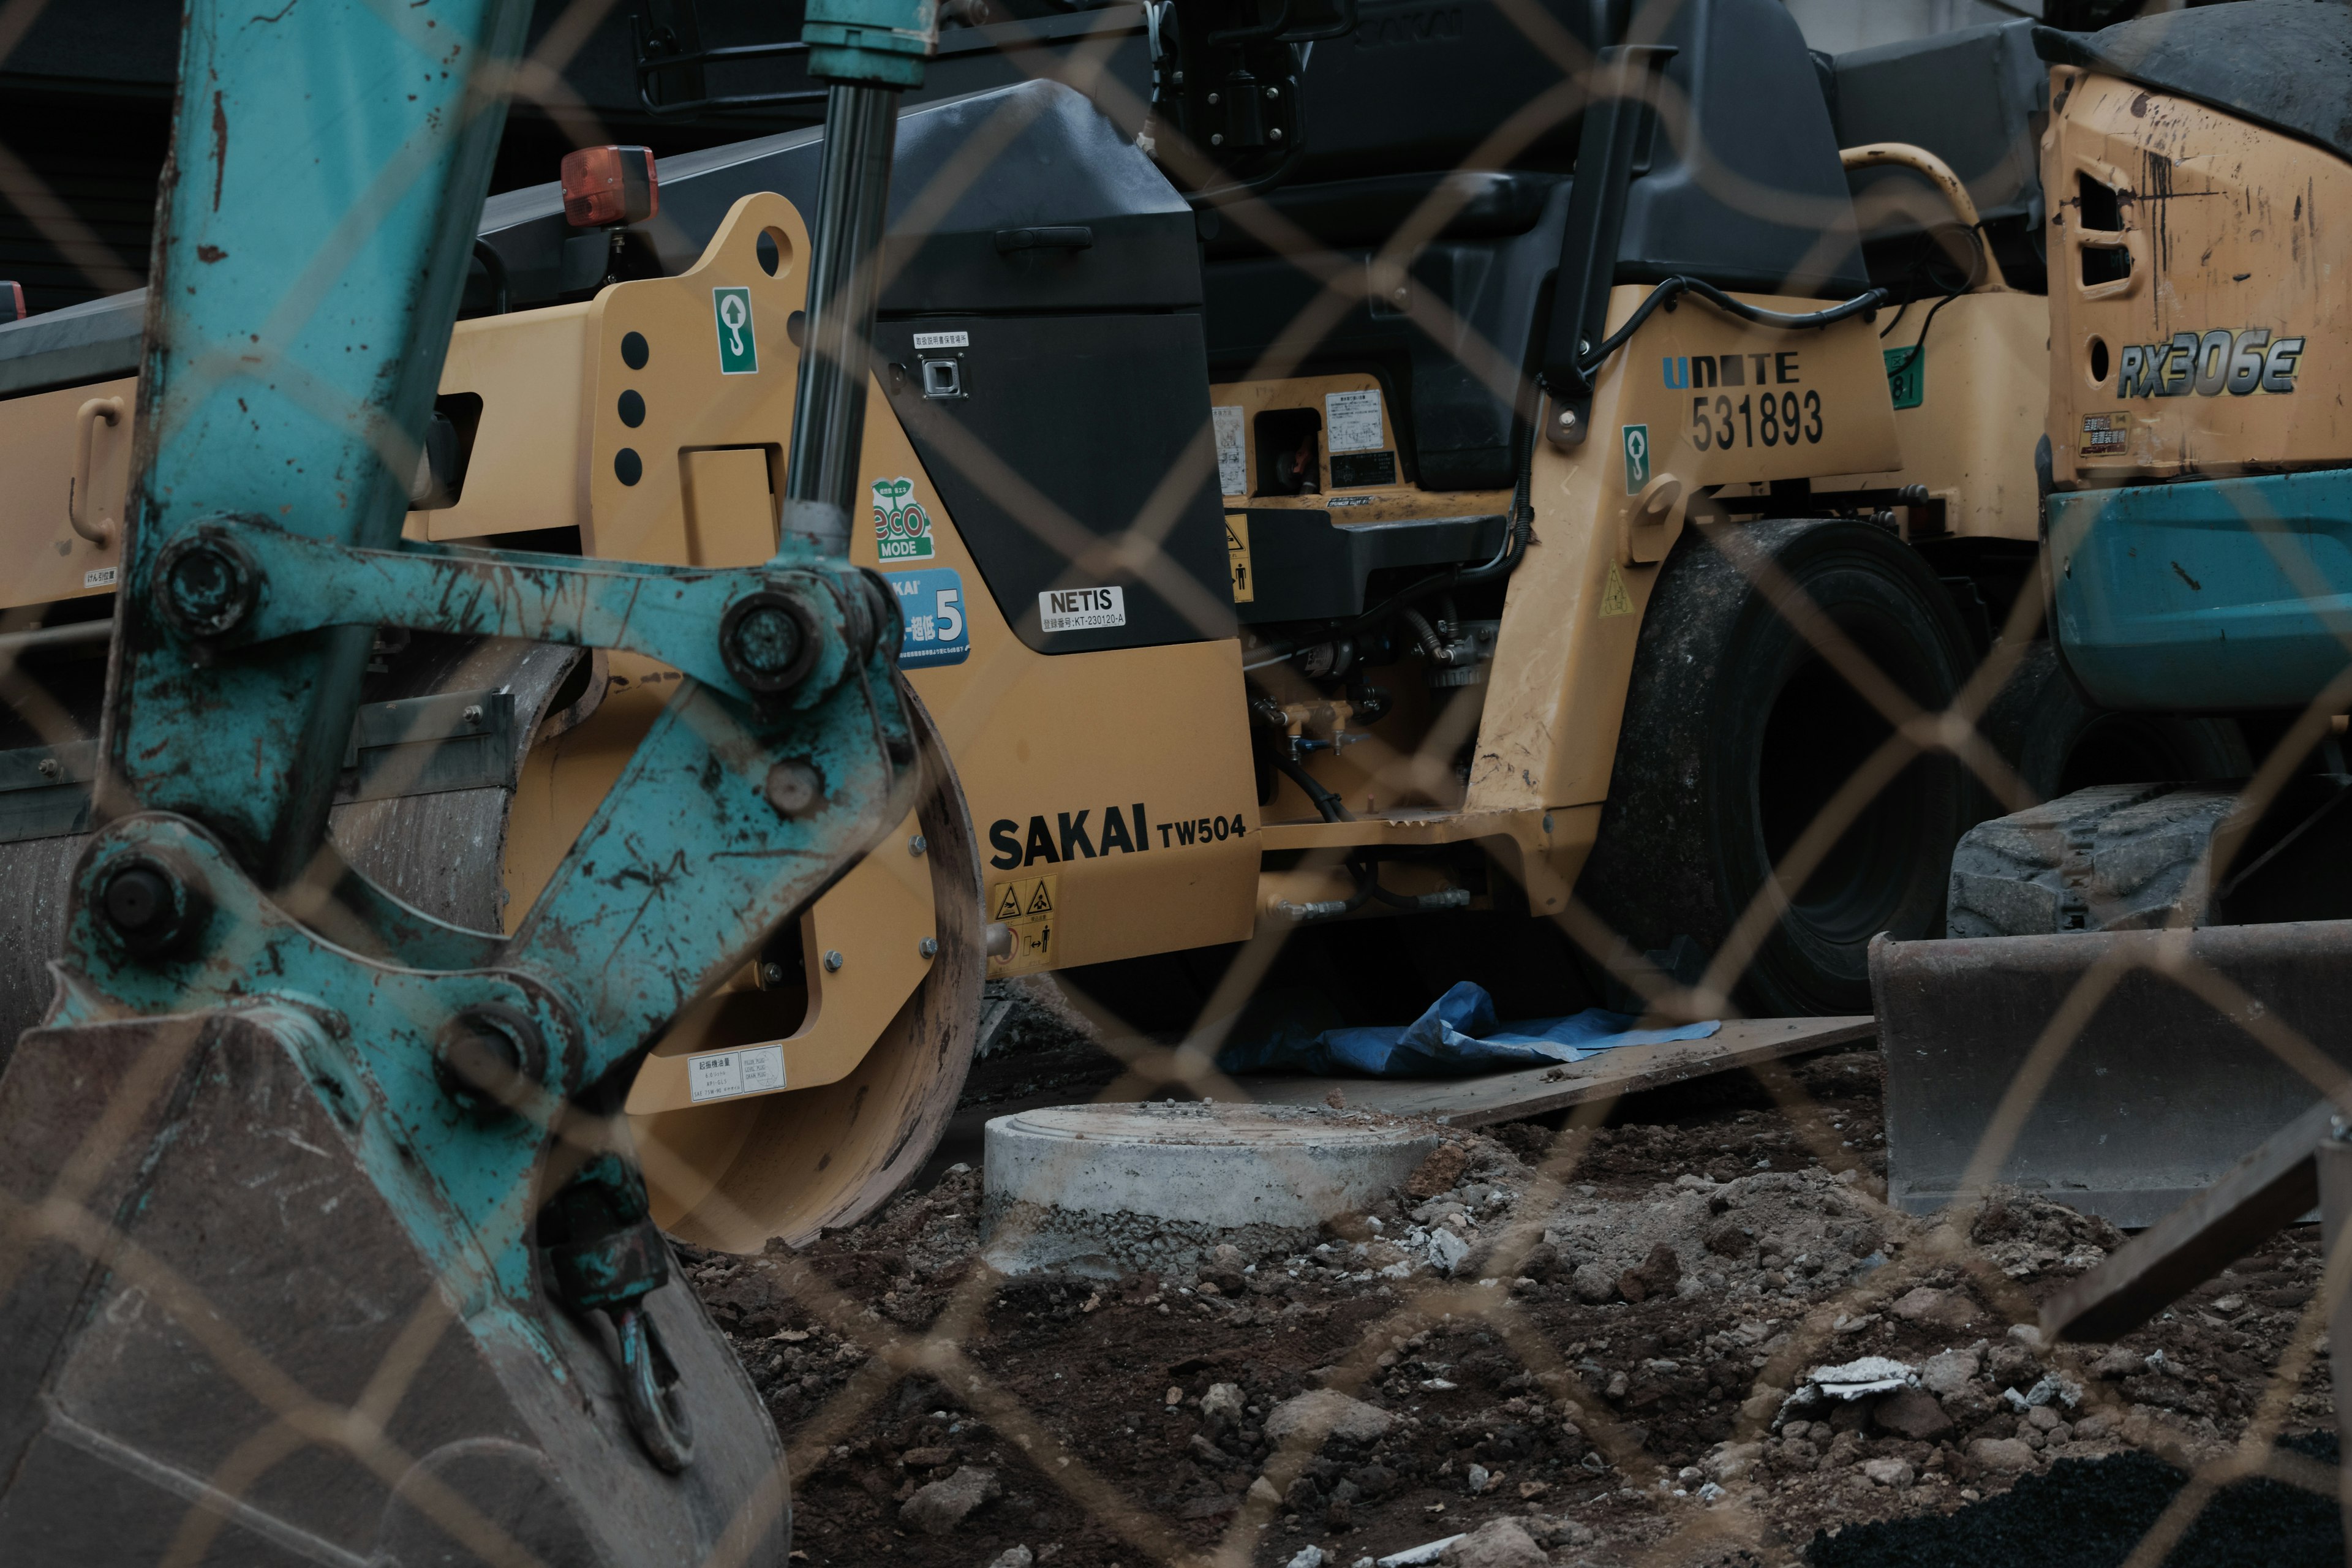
<point x="85" y="419"/>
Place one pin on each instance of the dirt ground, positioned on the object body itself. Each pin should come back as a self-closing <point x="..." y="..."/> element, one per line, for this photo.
<point x="1629" y="1308"/>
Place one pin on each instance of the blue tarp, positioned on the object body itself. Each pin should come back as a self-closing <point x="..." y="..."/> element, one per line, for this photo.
<point x="1458" y="1036"/>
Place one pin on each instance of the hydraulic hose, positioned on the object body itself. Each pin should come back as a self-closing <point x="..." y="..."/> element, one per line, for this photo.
<point x="1674" y="287"/>
<point x="1326" y="803"/>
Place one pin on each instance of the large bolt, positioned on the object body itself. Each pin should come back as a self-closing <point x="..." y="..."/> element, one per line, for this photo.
<point x="795" y="789"/>
<point x="207" y="588"/>
<point x="489" y="1057"/>
<point x="152" y="908"/>
<point x="767" y="643"/>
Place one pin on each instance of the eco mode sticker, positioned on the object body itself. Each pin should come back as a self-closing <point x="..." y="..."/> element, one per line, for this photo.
<point x="931" y="603"/>
<point x="902" y="529"/>
<point x="738" y="353"/>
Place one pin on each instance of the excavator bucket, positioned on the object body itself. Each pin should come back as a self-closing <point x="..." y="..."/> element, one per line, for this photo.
<point x="2120" y="1073"/>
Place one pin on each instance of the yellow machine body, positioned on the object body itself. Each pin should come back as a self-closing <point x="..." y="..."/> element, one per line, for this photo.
<point x="1050" y="751"/>
<point x="2197" y="299"/>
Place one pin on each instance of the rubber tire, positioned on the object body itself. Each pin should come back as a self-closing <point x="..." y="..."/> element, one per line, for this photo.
<point x="1735" y="734"/>
<point x="2059" y="743"/>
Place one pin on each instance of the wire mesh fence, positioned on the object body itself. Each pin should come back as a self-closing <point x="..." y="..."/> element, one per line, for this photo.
<point x="1910" y="729"/>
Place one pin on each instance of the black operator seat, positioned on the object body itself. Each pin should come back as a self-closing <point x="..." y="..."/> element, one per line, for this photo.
<point x="1742" y="187"/>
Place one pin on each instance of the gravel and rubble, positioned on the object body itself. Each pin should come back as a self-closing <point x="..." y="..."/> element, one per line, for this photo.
<point x="1580" y="1347"/>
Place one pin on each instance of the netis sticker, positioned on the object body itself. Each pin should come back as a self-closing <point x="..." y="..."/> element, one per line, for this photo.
<point x="1081" y="609"/>
<point x="1637" y="456"/>
<point x="1232" y="467"/>
<point x="721" y="1075"/>
<point x="1353" y="420"/>
<point x="902" y="529"/>
<point x="738" y="353"/>
<point x="931" y="603"/>
<point x="98" y="577"/>
<point x="943" y="340"/>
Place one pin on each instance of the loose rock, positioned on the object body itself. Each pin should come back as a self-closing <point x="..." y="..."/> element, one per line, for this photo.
<point x="1439" y="1172"/>
<point x="1498" y="1543"/>
<point x="1949" y="1373"/>
<point x="1593" y="1283"/>
<point x="940" y="1507"/>
<point x="2002" y="1454"/>
<point x="1014" y="1557"/>
<point x="1656" y="1274"/>
<point x="1912" y="1413"/>
<point x="1895" y="1473"/>
<point x="1945" y="1308"/>
<point x="1328" y="1411"/>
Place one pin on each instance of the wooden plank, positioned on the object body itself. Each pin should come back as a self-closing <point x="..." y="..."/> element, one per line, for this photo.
<point x="2265" y="1192"/>
<point x="1532" y="1091"/>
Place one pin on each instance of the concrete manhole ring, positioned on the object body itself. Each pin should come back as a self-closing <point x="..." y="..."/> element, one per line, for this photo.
<point x="1099" y="1189"/>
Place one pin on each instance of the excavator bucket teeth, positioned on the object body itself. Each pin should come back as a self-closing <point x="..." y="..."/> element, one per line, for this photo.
<point x="2120" y="1073"/>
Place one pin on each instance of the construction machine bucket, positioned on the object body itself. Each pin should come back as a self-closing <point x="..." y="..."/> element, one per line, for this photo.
<point x="2120" y="1073"/>
<point x="220" y="1344"/>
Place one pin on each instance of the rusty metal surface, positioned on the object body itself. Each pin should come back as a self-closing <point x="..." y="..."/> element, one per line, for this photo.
<point x="2151" y="1102"/>
<point x="2268" y="1189"/>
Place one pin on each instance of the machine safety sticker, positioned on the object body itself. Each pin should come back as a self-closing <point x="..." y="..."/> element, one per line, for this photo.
<point x="1027" y="909"/>
<point x="931" y="603"/>
<point x="1081" y="609"/>
<point x="739" y="353"/>
<point x="98" y="577"/>
<point x="721" y="1075"/>
<point x="902" y="529"/>
<point x="1232" y="463"/>
<point x="1237" y="557"/>
<point x="942" y="340"/>
<point x="2107" y="434"/>
<point x="1637" y="458"/>
<point x="1906" y="375"/>
<point x="1614" y="600"/>
<point x="1352" y="421"/>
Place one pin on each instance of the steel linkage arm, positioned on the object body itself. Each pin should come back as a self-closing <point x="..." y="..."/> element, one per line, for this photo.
<point x="329" y="160"/>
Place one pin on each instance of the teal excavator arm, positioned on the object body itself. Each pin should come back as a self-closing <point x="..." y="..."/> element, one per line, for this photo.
<point x="290" y="1158"/>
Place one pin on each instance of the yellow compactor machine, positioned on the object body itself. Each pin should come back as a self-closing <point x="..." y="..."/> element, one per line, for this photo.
<point x="1400" y="557"/>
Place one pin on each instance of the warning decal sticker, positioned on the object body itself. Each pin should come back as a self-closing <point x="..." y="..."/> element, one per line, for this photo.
<point x="1232" y="463"/>
<point x="1027" y="908"/>
<point x="1352" y="420"/>
<point x="1237" y="557"/>
<point x="1614" y="600"/>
